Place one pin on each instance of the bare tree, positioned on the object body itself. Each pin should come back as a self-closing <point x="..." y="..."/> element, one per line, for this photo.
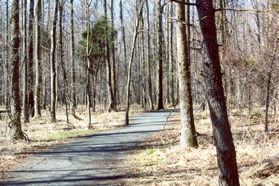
<point x="108" y="68"/>
<point x="30" y="59"/>
<point x="24" y="52"/>
<point x="52" y="64"/>
<point x="226" y="155"/>
<point x="159" y="80"/>
<point x="38" y="59"/>
<point x="188" y="134"/>
<point x="15" y="124"/>
<point x="133" y="46"/>
<point x="74" y="101"/>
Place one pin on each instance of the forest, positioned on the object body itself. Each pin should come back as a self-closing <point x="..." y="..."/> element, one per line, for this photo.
<point x="189" y="85"/>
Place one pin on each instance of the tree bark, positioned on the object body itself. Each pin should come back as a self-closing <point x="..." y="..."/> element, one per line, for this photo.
<point x="74" y="101"/>
<point x="65" y="83"/>
<point x="131" y="62"/>
<point x="226" y="155"/>
<point x="108" y="68"/>
<point x="30" y="59"/>
<point x="15" y="124"/>
<point x="53" y="64"/>
<point x="159" y="93"/>
<point x="148" y="74"/>
<point x="38" y="57"/>
<point x="24" y="52"/>
<point x="188" y="136"/>
<point x="171" y="65"/>
<point x="113" y="62"/>
<point x="7" y="54"/>
<point x="123" y="36"/>
<point x="88" y="64"/>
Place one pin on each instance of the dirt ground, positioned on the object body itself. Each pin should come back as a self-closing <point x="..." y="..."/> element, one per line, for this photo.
<point x="161" y="161"/>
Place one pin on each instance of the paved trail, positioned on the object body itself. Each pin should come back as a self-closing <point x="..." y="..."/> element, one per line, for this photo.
<point x="90" y="160"/>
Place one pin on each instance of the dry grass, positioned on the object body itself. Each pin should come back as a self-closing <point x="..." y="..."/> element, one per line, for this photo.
<point x="43" y="133"/>
<point x="161" y="161"/>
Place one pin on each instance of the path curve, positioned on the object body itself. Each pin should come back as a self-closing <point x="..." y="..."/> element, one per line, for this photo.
<point x="90" y="160"/>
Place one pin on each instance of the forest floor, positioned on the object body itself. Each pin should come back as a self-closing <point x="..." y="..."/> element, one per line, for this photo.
<point x="161" y="161"/>
<point x="44" y="134"/>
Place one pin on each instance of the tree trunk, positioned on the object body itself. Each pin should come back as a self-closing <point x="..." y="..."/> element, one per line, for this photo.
<point x="74" y="101"/>
<point x="53" y="64"/>
<point x="7" y="55"/>
<point x="113" y="79"/>
<point x="131" y="62"/>
<point x="108" y="68"/>
<point x="171" y="65"/>
<point x="38" y="80"/>
<point x="123" y="36"/>
<point x="226" y="155"/>
<point x="65" y="83"/>
<point x="15" y="124"/>
<point x="88" y="64"/>
<point x="188" y="133"/>
<point x="30" y="59"/>
<point x="148" y="74"/>
<point x="159" y="94"/>
<point x="24" y="52"/>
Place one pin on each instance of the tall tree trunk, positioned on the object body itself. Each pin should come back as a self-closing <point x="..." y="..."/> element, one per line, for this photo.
<point x="159" y="93"/>
<point x="188" y="133"/>
<point x="24" y="52"/>
<point x="113" y="62"/>
<point x="123" y="36"/>
<point x="171" y="65"/>
<point x="53" y="64"/>
<point x="88" y="64"/>
<point x="148" y="74"/>
<point x="15" y="124"/>
<point x="226" y="155"/>
<point x="65" y="83"/>
<point x="74" y="101"/>
<point x="108" y="68"/>
<point x="7" y="54"/>
<point x="139" y="14"/>
<point x="30" y="59"/>
<point x="38" y="58"/>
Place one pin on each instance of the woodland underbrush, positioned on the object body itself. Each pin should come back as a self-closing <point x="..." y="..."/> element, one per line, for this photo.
<point x="42" y="133"/>
<point x="161" y="161"/>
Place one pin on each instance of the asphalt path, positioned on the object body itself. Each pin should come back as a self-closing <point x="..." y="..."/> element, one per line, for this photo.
<point x="89" y="160"/>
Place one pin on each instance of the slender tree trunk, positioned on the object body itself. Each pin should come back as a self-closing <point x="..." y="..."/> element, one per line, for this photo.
<point x="7" y="55"/>
<point x="65" y="83"/>
<point x="38" y="60"/>
<point x="74" y="101"/>
<point x="159" y="94"/>
<point x="226" y="155"/>
<point x="188" y="136"/>
<point x="15" y="124"/>
<point x="53" y="64"/>
<point x="148" y="74"/>
<point x="113" y="79"/>
<point x="123" y="36"/>
<point x="131" y="62"/>
<point x="88" y="64"/>
<point x="108" y="67"/>
<point x="171" y="65"/>
<point x="30" y="59"/>
<point x="24" y="52"/>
